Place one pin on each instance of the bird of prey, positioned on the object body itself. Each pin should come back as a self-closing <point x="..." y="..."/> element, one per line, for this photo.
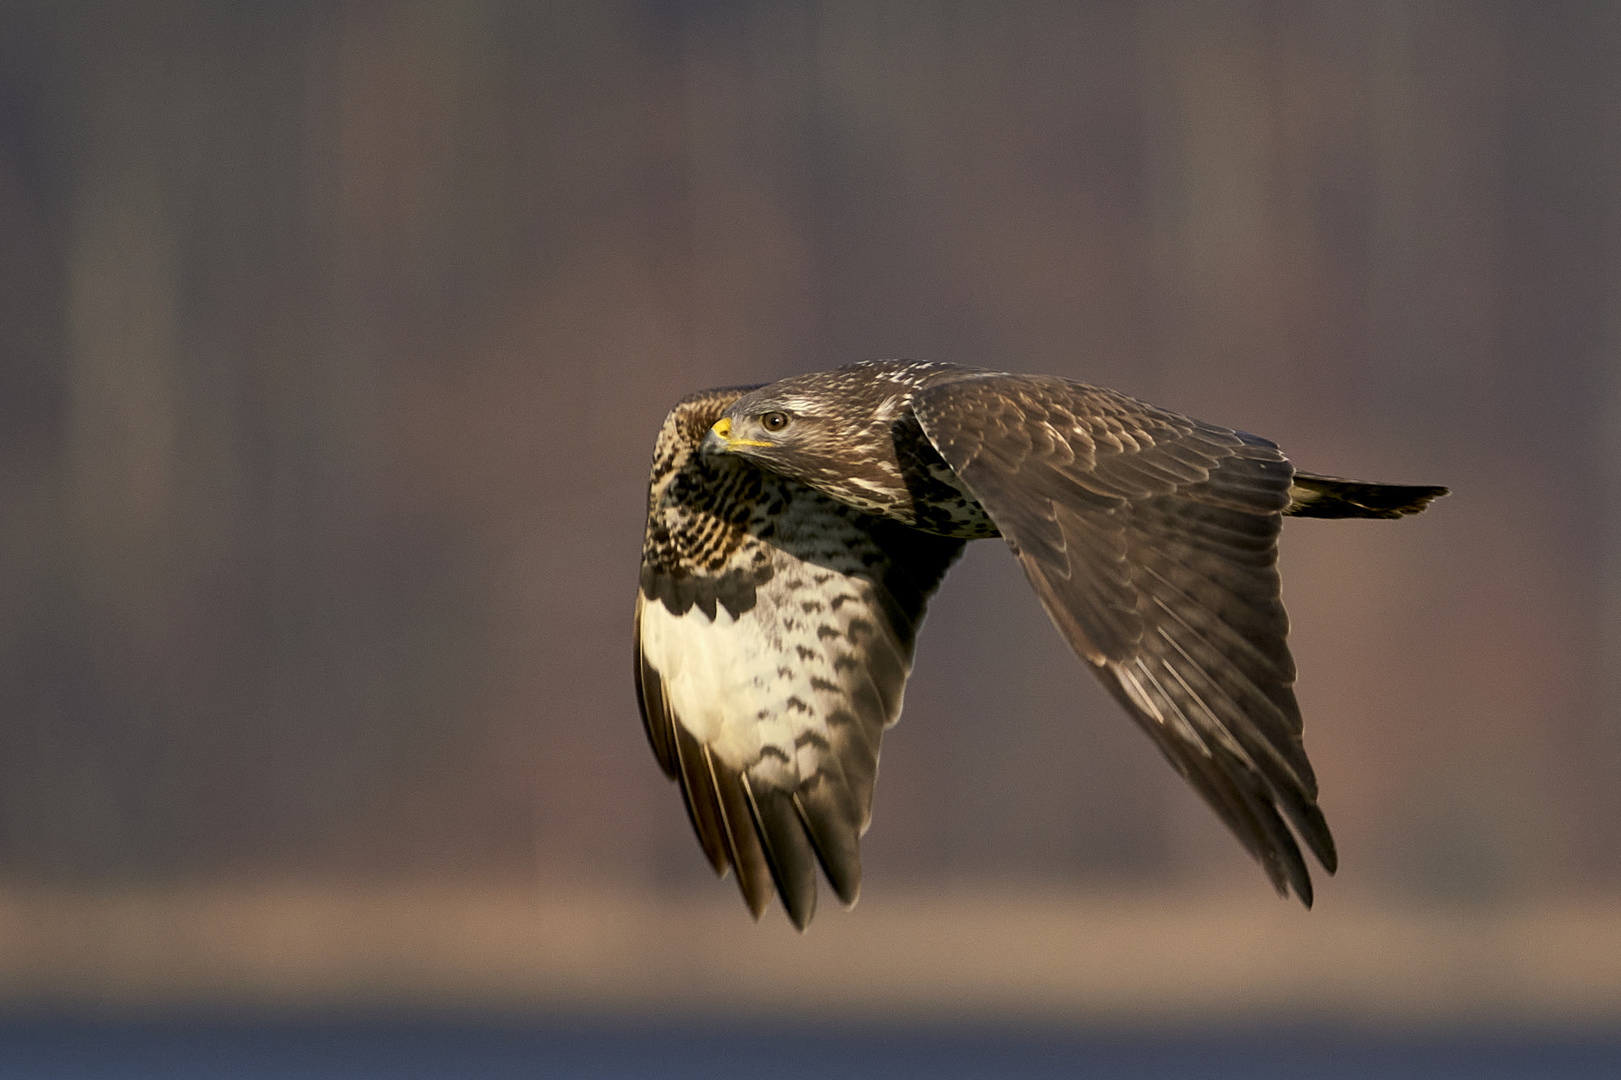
<point x="795" y="532"/>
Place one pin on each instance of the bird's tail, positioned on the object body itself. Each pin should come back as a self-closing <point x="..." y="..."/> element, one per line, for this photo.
<point x="1330" y="497"/>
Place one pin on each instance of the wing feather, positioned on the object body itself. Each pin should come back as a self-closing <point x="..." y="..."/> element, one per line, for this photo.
<point x="821" y="811"/>
<point x="1151" y="540"/>
<point x="655" y="707"/>
<point x="774" y="636"/>
<point x="749" y="858"/>
<point x="787" y="848"/>
<point x="702" y="799"/>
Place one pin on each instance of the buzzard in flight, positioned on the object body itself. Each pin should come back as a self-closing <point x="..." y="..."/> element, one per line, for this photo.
<point x="795" y="532"/>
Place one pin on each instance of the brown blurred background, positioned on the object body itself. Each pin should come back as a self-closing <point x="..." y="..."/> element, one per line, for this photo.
<point x="333" y="339"/>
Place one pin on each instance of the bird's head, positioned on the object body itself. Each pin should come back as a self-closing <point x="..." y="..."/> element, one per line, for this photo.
<point x="831" y="430"/>
<point x="782" y="431"/>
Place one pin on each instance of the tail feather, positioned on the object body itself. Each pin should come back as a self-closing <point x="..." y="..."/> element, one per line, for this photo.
<point x="1330" y="497"/>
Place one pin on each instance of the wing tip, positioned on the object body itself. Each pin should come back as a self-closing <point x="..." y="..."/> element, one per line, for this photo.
<point x="835" y="842"/>
<point x="786" y="849"/>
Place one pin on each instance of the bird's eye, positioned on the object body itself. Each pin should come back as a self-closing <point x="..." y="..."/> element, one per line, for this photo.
<point x="774" y="421"/>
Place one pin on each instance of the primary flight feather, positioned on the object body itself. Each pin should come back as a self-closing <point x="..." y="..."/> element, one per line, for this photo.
<point x="795" y="532"/>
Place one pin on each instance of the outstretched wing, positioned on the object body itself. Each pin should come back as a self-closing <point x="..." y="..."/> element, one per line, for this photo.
<point x="774" y="634"/>
<point x="1151" y="539"/>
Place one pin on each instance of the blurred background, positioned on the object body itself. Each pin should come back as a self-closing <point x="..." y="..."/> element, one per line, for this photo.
<point x="333" y="340"/>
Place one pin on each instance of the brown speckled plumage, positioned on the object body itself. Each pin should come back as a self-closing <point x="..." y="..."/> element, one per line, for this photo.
<point x="790" y="553"/>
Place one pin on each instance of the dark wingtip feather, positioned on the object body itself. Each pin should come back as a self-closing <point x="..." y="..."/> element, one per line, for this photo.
<point x="1276" y="844"/>
<point x="787" y="850"/>
<point x="1241" y="798"/>
<point x="1264" y="832"/>
<point x="1316" y="496"/>
<point x="1309" y="822"/>
<point x="702" y="800"/>
<point x="1270" y="841"/>
<point x="833" y="837"/>
<point x="742" y="839"/>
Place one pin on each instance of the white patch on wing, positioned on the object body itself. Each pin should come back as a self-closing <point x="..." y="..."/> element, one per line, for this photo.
<point x="744" y="686"/>
<point x="712" y="672"/>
